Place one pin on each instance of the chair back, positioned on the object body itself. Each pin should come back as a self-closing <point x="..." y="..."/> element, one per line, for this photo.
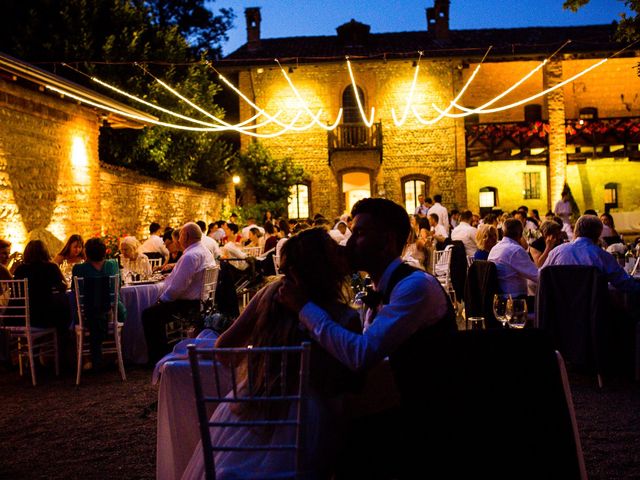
<point x="270" y="385"/>
<point x="208" y="292"/>
<point x="14" y="303"/>
<point x="155" y="263"/>
<point x="252" y="251"/>
<point x="480" y="287"/>
<point x="458" y="267"/>
<point x="97" y="296"/>
<point x="490" y="403"/>
<point x="572" y="306"/>
<point x="441" y="264"/>
<point x="153" y="255"/>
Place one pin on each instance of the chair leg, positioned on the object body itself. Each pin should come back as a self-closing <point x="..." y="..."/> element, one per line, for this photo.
<point x="600" y="383"/>
<point x="119" y="351"/>
<point x="78" y="356"/>
<point x="19" y="347"/>
<point x="32" y="364"/>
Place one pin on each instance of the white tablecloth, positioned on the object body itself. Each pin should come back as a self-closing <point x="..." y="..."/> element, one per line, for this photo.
<point x="178" y="433"/>
<point x="136" y="299"/>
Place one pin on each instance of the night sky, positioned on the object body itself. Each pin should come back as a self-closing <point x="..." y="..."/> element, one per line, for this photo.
<point x="285" y="18"/>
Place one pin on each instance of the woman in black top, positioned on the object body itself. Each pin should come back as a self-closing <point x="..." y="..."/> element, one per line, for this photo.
<point x="48" y="304"/>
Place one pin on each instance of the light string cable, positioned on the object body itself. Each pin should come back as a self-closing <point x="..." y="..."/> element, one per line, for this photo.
<point x="442" y="113"/>
<point x="259" y="110"/>
<point x="407" y="106"/>
<point x="469" y="111"/>
<point x="369" y="122"/>
<point x="305" y="106"/>
<point x="244" y="130"/>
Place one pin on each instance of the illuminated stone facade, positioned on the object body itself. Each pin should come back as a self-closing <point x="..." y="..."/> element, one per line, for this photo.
<point x="52" y="184"/>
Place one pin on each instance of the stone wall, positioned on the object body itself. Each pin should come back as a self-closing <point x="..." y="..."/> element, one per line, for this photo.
<point x="52" y="184"/>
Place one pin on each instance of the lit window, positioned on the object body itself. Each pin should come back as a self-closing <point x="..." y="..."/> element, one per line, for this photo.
<point x="411" y="189"/>
<point x="610" y="196"/>
<point x="299" y="201"/>
<point x="531" y="185"/>
<point x="488" y="197"/>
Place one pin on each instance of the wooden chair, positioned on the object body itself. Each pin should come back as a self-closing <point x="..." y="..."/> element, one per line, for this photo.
<point x="283" y="382"/>
<point x="98" y="296"/>
<point x="15" y="322"/>
<point x="178" y="328"/>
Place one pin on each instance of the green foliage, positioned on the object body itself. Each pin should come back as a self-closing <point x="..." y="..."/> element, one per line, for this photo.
<point x="268" y="178"/>
<point x="629" y="25"/>
<point x="104" y="38"/>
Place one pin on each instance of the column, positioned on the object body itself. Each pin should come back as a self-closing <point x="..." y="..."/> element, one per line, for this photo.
<point x="554" y="104"/>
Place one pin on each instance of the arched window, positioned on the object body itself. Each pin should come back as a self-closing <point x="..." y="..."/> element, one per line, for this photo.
<point x="412" y="187"/>
<point x="350" y="110"/>
<point x="487" y="200"/>
<point x="299" y="201"/>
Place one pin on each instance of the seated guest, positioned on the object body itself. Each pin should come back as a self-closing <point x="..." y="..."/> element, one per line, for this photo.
<point x="232" y="250"/>
<point x="552" y="236"/>
<point x="513" y="264"/>
<point x="466" y="233"/>
<point x="132" y="260"/>
<point x="437" y="231"/>
<point x="271" y="237"/>
<point x="255" y="238"/>
<point x="266" y="323"/>
<point x="97" y="266"/>
<point x="5" y="254"/>
<point x="609" y="235"/>
<point x="414" y="252"/>
<point x="48" y="304"/>
<point x="486" y="238"/>
<point x="175" y="251"/>
<point x="209" y="242"/>
<point x="72" y="252"/>
<point x="154" y="246"/>
<point x="181" y="293"/>
<point x="584" y="250"/>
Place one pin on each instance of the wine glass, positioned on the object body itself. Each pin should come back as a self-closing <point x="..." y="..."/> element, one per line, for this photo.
<point x="500" y="303"/>
<point x="517" y="312"/>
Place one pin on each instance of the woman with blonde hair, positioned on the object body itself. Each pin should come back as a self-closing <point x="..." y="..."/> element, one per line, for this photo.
<point x="486" y="238"/>
<point x="132" y="260"/>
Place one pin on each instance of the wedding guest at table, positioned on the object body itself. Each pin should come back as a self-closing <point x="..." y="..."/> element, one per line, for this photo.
<point x="175" y="251"/>
<point x="266" y="323"/>
<point x="233" y="250"/>
<point x="584" y="250"/>
<point x="218" y="232"/>
<point x="72" y="252"/>
<point x="412" y="308"/>
<point x="414" y="251"/>
<point x="441" y="212"/>
<point x="552" y="236"/>
<point x="436" y="230"/>
<point x="251" y="223"/>
<point x="454" y="219"/>
<point x="153" y="247"/>
<point x="609" y="234"/>
<point x="513" y="264"/>
<point x="209" y="242"/>
<point x="271" y="237"/>
<point x="48" y="304"/>
<point x="98" y="266"/>
<point x="486" y="238"/>
<point x="5" y="254"/>
<point x="255" y="238"/>
<point x="132" y="260"/>
<point x="466" y="233"/>
<point x="181" y="294"/>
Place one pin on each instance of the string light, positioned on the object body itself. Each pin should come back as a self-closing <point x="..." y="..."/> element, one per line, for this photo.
<point x="400" y="122"/>
<point x="369" y="122"/>
<point x="306" y="107"/>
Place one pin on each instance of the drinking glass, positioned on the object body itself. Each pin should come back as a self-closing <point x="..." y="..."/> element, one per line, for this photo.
<point x="500" y="302"/>
<point x="517" y="312"/>
<point x="476" y="323"/>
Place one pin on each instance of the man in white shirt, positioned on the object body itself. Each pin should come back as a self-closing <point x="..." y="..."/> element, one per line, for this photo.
<point x="441" y="212"/>
<point x="181" y="294"/>
<point x="154" y="244"/>
<point x="512" y="261"/>
<point x="466" y="233"/>
<point x="437" y="230"/>
<point x="209" y="242"/>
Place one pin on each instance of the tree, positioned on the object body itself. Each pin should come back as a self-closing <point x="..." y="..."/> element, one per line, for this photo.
<point x="629" y="26"/>
<point x="267" y="179"/>
<point x="105" y="38"/>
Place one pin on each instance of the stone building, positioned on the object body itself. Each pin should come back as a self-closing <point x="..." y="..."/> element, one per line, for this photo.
<point x="52" y="183"/>
<point x="584" y="133"/>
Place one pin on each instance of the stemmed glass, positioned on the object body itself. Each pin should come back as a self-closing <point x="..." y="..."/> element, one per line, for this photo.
<point x="517" y="312"/>
<point x="500" y="305"/>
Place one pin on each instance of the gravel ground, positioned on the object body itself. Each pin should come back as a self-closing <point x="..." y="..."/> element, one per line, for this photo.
<point x="103" y="429"/>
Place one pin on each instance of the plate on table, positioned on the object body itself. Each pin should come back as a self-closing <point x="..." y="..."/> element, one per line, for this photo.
<point x="142" y="282"/>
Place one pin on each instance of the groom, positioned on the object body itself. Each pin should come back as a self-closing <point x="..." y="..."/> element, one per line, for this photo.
<point x="413" y="308"/>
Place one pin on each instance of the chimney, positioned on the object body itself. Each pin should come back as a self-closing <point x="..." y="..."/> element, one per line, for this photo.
<point x="438" y="20"/>
<point x="252" y="15"/>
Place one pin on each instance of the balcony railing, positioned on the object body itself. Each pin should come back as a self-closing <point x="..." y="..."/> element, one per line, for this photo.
<point x="607" y="137"/>
<point x="349" y="136"/>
